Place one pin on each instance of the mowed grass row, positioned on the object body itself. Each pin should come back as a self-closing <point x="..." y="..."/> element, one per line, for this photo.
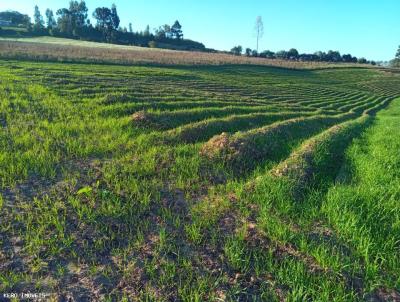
<point x="128" y="210"/>
<point x="137" y="84"/>
<point x="282" y="236"/>
<point x="244" y="150"/>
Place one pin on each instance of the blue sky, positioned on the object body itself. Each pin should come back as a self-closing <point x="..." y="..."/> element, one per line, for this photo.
<point x="369" y="28"/>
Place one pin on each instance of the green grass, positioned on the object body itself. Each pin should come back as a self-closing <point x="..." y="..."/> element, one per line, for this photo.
<point x="71" y="42"/>
<point x="106" y="191"/>
<point x="18" y="46"/>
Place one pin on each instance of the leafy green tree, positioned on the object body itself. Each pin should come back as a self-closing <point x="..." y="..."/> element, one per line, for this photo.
<point x="51" y="22"/>
<point x="64" y="22"/>
<point x="107" y="22"/>
<point x="397" y="54"/>
<point x="237" y="50"/>
<point x="130" y="28"/>
<point x="114" y="17"/>
<point x="146" y="32"/>
<point x="347" y="58"/>
<point x="248" y="52"/>
<point x="282" y="54"/>
<point x="293" y="54"/>
<point x="79" y="14"/>
<point x="176" y="30"/>
<point x="103" y="17"/>
<point x="333" y="56"/>
<point x="15" y="18"/>
<point x="38" y="20"/>
<point x="163" y="32"/>
<point x="267" y="54"/>
<point x="320" y="56"/>
<point x="362" y="61"/>
<point x="72" y="21"/>
<point x="396" y="61"/>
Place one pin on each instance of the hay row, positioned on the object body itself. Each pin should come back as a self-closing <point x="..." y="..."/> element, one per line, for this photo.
<point x="323" y="153"/>
<point x="243" y="149"/>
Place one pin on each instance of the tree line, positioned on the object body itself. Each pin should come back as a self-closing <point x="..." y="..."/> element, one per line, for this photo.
<point x="73" y="22"/>
<point x="293" y="54"/>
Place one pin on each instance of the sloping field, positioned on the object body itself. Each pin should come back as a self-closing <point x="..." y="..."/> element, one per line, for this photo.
<point x="207" y="183"/>
<point x="72" y="42"/>
<point x="69" y="50"/>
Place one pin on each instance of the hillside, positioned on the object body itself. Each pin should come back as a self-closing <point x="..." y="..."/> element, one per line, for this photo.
<point x="69" y="50"/>
<point x="196" y="183"/>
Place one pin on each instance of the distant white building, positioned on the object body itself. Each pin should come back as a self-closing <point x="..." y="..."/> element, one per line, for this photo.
<point x="5" y="23"/>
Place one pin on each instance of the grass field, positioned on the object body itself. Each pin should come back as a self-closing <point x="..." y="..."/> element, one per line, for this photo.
<point x="77" y="51"/>
<point x="71" y="42"/>
<point x="206" y="183"/>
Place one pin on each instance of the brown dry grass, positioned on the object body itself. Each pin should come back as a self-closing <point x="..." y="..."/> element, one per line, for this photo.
<point x="136" y="55"/>
<point x="216" y="145"/>
<point x="142" y="119"/>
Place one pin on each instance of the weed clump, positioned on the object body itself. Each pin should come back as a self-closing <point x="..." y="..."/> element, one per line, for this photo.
<point x="232" y="150"/>
<point x="217" y="146"/>
<point x="110" y="99"/>
<point x="143" y="119"/>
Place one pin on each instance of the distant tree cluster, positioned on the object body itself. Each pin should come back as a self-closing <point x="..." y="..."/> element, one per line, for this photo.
<point x="73" y="22"/>
<point x="294" y="55"/>
<point x="396" y="61"/>
<point x="14" y="18"/>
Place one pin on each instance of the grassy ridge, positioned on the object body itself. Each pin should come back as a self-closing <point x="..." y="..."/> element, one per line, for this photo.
<point x="68" y="50"/>
<point x="98" y="201"/>
<point x="366" y="195"/>
<point x="243" y="150"/>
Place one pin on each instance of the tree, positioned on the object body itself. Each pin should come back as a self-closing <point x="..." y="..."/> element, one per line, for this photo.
<point x="146" y="32"/>
<point x="293" y="54"/>
<point x="259" y="29"/>
<point x="237" y="50"/>
<point x="71" y="21"/>
<point x="396" y="61"/>
<point x="163" y="32"/>
<point x="397" y="57"/>
<point x="64" y="21"/>
<point x="78" y="12"/>
<point x="320" y="55"/>
<point x="267" y="54"/>
<point x="103" y="18"/>
<point x="114" y="17"/>
<point x="15" y="18"/>
<point x="333" y="56"/>
<point x="38" y="19"/>
<point x="362" y="61"/>
<point x="51" y="22"/>
<point x="176" y="30"/>
<point x="130" y="28"/>
<point x="282" y="54"/>
<point x="248" y="52"/>
<point x="347" y="58"/>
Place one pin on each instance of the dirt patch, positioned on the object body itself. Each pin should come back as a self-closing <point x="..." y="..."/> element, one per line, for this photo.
<point x="384" y="295"/>
<point x="3" y="121"/>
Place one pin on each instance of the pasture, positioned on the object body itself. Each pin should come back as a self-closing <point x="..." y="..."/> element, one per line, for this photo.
<point x="199" y="183"/>
<point x="77" y="51"/>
